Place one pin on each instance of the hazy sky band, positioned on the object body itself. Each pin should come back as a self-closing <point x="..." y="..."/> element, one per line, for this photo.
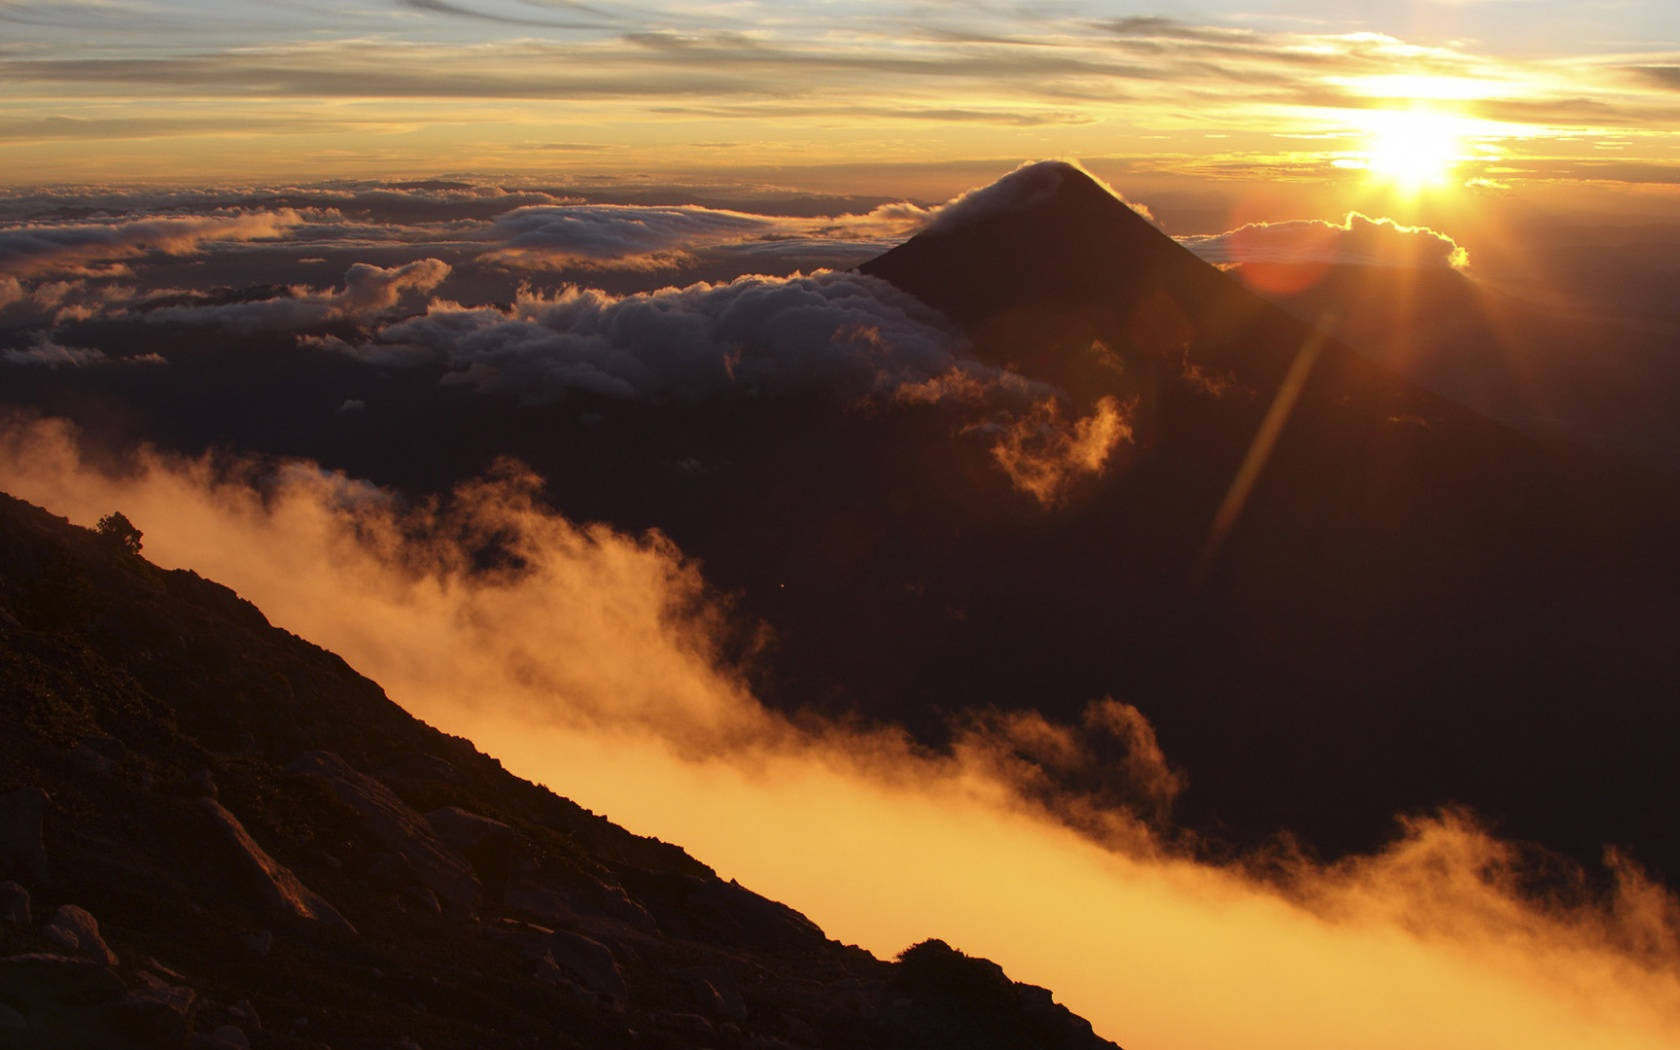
<point x="97" y="87"/>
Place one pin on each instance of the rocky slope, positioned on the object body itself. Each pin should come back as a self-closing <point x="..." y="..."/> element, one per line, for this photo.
<point x="215" y="834"/>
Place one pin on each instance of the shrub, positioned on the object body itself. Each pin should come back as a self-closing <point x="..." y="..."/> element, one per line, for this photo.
<point x="116" y="527"/>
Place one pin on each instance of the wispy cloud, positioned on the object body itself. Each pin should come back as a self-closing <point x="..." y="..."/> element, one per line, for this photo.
<point x="767" y="72"/>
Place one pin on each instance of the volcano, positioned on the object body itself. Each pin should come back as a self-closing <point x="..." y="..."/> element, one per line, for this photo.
<point x="1413" y="606"/>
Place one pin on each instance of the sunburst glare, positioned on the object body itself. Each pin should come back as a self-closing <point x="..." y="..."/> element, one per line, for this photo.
<point x="1412" y="149"/>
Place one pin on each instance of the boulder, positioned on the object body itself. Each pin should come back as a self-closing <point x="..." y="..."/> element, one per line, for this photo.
<point x="716" y="992"/>
<point x="91" y="760"/>
<point x="202" y="782"/>
<point x="281" y="891"/>
<point x="491" y="846"/>
<point x="23" y="852"/>
<point x="45" y="978"/>
<point x="390" y="821"/>
<point x="14" y="903"/>
<point x="591" y="964"/>
<point x="75" y="930"/>
<point x="543" y="903"/>
<point x="227" y="1037"/>
<point x="256" y="943"/>
<point x="155" y="1016"/>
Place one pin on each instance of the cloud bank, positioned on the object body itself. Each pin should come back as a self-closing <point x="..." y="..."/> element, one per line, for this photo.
<point x="593" y="668"/>
<point x="368" y="291"/>
<point x="1356" y="240"/>
<point x="845" y="333"/>
<point x="43" y="248"/>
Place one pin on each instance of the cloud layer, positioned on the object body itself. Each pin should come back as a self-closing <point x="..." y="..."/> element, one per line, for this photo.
<point x="368" y="291"/>
<point x="839" y="332"/>
<point x="43" y="248"/>
<point x="593" y="668"/>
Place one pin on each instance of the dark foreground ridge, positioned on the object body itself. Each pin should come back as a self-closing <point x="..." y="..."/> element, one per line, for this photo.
<point x="215" y="834"/>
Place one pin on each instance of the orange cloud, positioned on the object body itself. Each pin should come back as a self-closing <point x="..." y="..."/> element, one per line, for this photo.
<point x="589" y="662"/>
<point x="1043" y="456"/>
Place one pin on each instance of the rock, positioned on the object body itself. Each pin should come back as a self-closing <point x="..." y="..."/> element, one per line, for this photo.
<point x="467" y="831"/>
<point x="617" y="904"/>
<point x="44" y="978"/>
<point x="493" y="848"/>
<point x="397" y="827"/>
<point x="246" y="1015"/>
<point x="14" y="903"/>
<point x="279" y="889"/>
<point x="528" y="939"/>
<point x="716" y="992"/>
<point x="227" y="1037"/>
<point x="11" y="1020"/>
<point x="580" y="900"/>
<point x="692" y="1025"/>
<point x="152" y="965"/>
<point x="85" y="758"/>
<point x="22" y="850"/>
<point x="153" y="1016"/>
<point x="203" y="782"/>
<point x="256" y="943"/>
<point x="540" y="902"/>
<point x="78" y="931"/>
<point x="591" y="963"/>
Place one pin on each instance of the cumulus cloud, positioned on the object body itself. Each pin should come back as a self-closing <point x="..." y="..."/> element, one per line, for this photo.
<point x="592" y="667"/>
<point x="46" y="248"/>
<point x="59" y="301"/>
<point x="841" y="332"/>
<point x="622" y="235"/>
<point x="646" y="237"/>
<point x="1358" y="239"/>
<point x="47" y="353"/>
<point x="368" y="291"/>
<point x="1045" y="455"/>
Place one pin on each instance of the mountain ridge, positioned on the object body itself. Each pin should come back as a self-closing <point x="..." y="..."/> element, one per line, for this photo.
<point x="248" y="835"/>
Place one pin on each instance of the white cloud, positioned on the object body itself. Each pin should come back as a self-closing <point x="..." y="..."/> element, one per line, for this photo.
<point x="368" y="291"/>
<point x="1357" y="239"/>
<point x="843" y="332"/>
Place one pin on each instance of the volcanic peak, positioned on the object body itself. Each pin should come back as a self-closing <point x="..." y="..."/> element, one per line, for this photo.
<point x="1032" y="186"/>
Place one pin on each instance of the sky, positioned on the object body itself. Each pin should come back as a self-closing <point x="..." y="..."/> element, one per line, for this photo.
<point x="374" y="295"/>
<point x="1488" y="92"/>
<point x="237" y="168"/>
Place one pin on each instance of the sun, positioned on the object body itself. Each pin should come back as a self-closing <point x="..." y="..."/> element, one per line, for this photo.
<point x="1412" y="149"/>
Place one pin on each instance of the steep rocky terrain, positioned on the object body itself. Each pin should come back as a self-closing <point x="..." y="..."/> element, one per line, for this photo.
<point x="215" y="834"/>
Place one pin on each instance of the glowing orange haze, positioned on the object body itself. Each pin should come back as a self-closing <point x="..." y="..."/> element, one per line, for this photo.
<point x="592" y="673"/>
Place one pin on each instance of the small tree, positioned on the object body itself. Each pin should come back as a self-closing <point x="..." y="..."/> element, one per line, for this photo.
<point x="116" y="527"/>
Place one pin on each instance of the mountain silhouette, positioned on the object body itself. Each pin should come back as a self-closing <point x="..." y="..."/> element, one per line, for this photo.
<point x="1411" y="605"/>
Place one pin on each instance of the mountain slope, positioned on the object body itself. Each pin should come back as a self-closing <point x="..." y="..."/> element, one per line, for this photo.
<point x="267" y="843"/>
